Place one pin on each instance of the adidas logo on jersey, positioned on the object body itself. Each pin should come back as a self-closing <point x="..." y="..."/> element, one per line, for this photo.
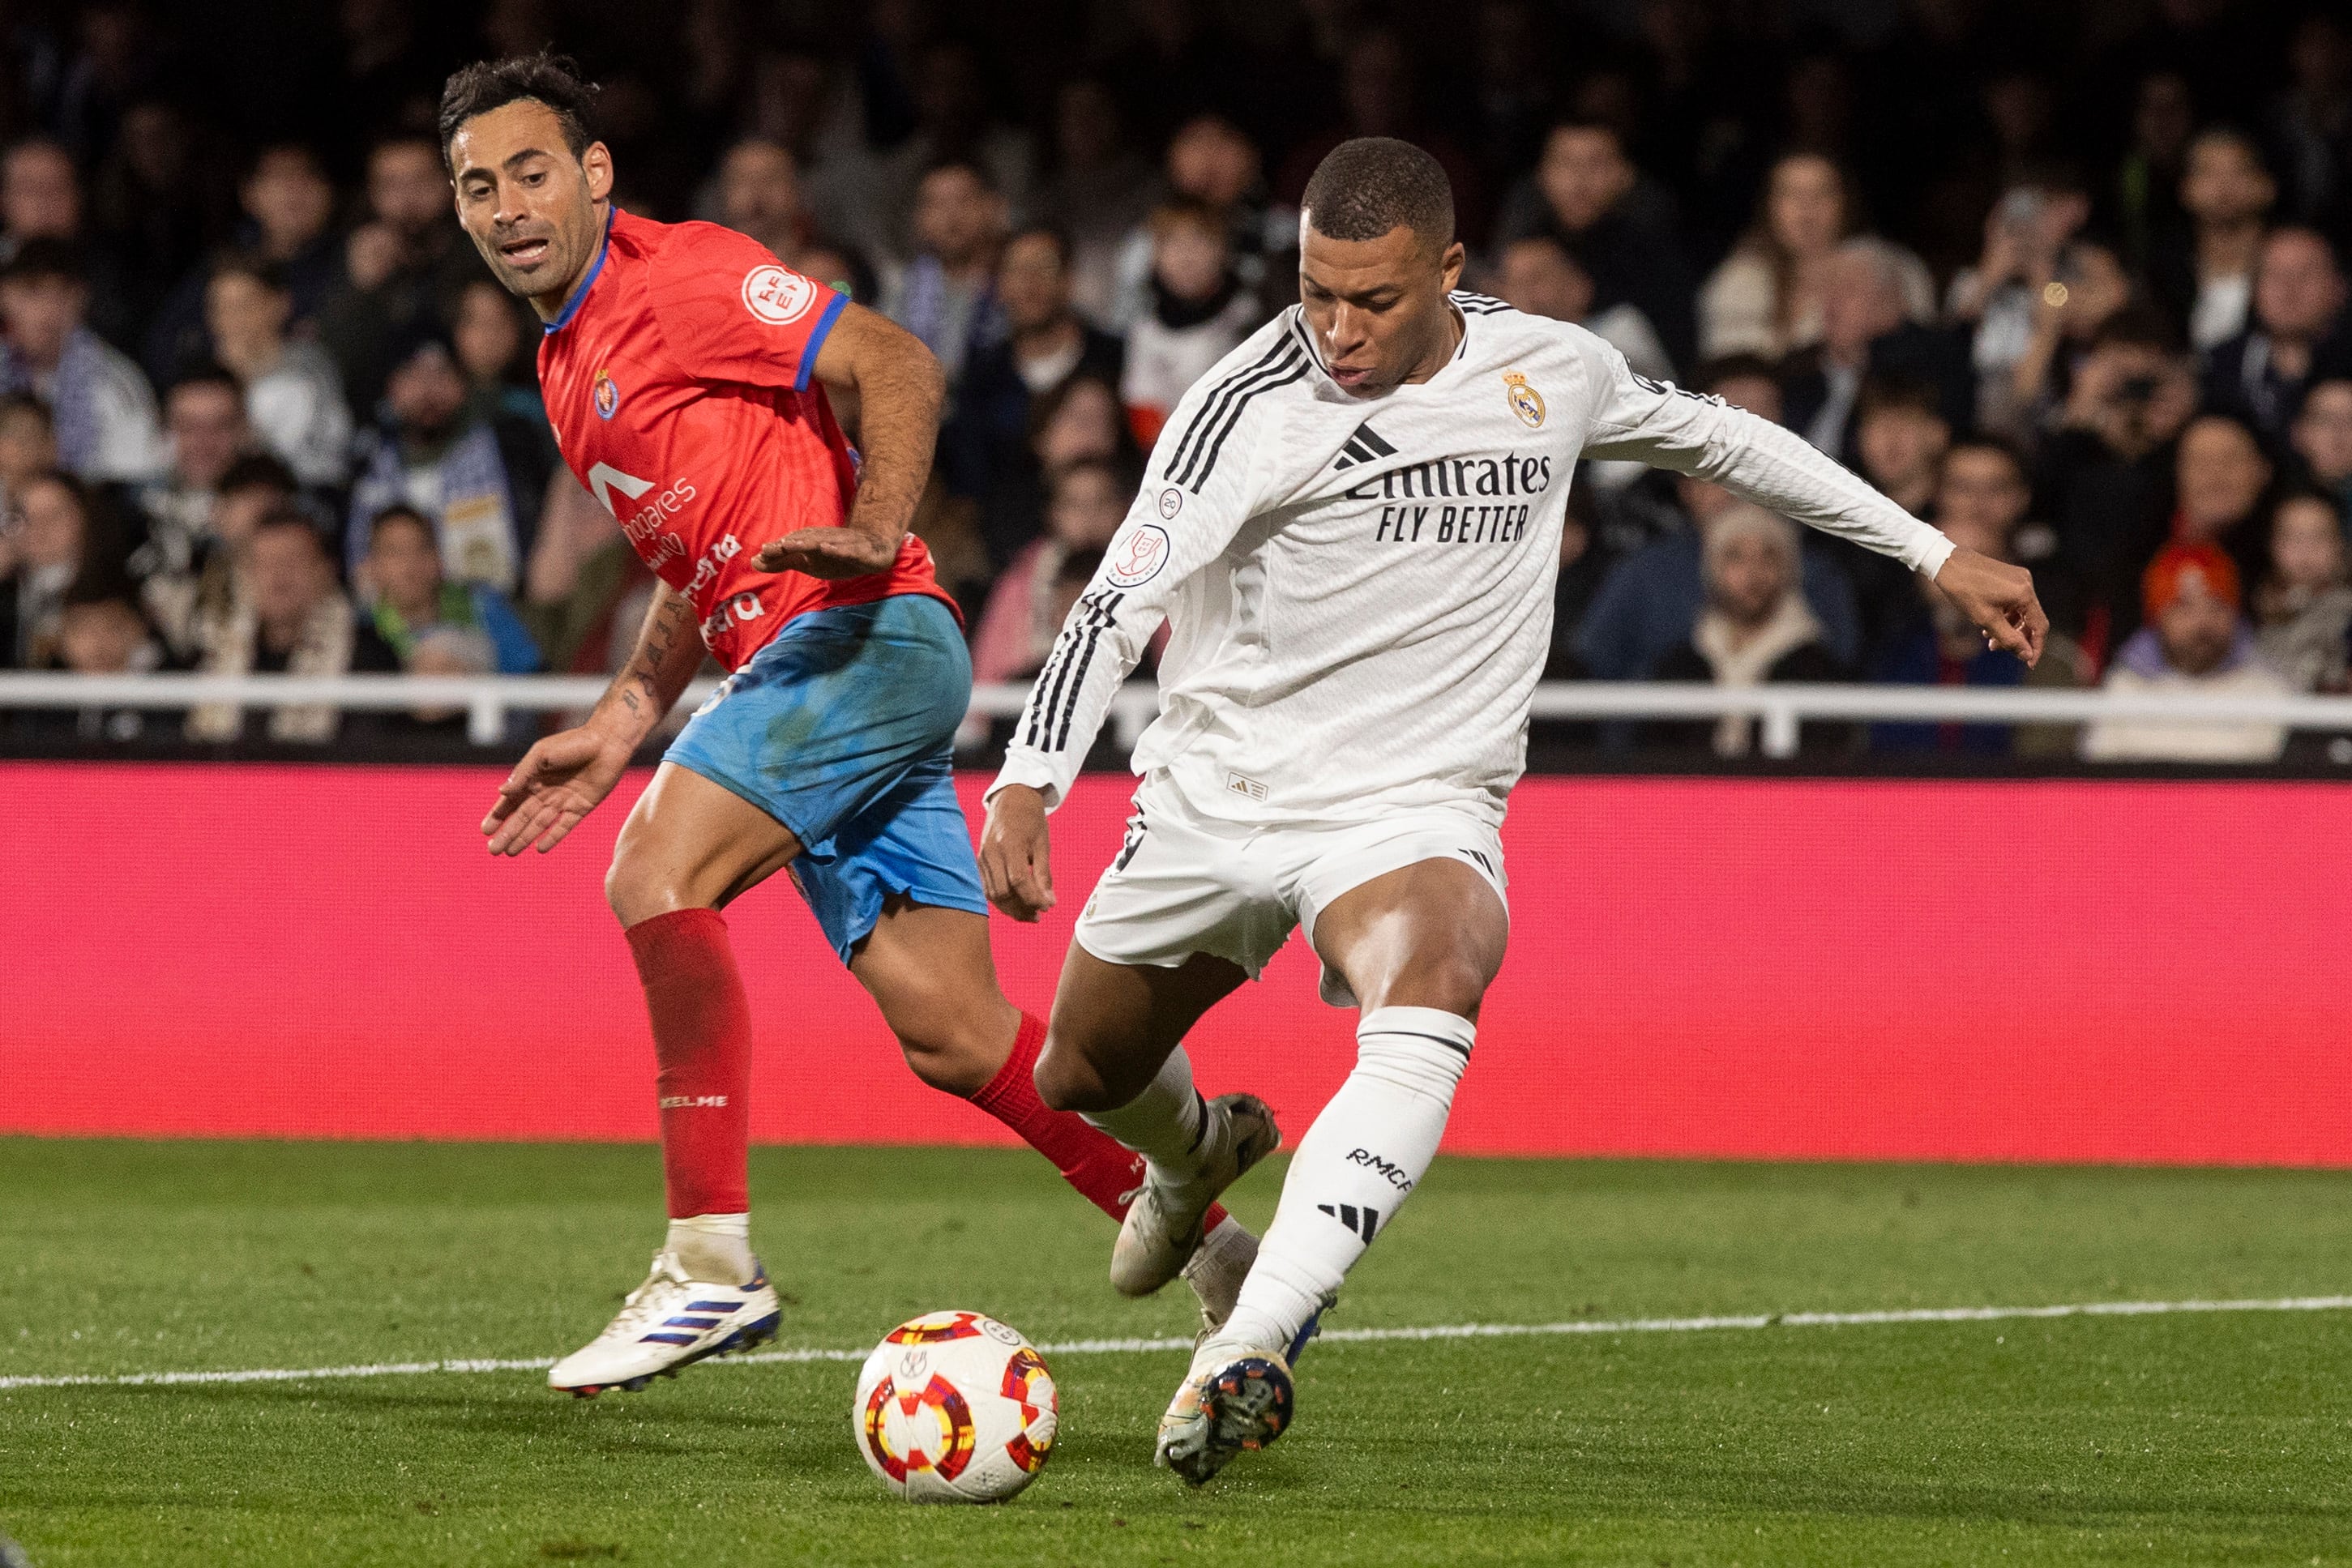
<point x="1364" y="1222"/>
<point x="1363" y="446"/>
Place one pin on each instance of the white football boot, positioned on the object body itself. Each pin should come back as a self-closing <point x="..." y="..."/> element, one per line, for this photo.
<point x="668" y="1323"/>
<point x="1234" y="1398"/>
<point x="1162" y="1228"/>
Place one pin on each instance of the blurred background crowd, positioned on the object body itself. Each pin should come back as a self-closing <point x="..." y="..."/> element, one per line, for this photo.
<point x="2065" y="278"/>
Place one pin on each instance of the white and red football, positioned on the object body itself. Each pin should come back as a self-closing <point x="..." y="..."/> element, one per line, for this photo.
<point x="955" y="1407"/>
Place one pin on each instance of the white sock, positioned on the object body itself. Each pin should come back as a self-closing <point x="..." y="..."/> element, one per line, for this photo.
<point x="1164" y="1123"/>
<point x="713" y="1247"/>
<point x="1365" y="1153"/>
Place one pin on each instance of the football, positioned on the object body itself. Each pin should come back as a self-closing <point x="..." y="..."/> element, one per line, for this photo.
<point x="954" y="1407"/>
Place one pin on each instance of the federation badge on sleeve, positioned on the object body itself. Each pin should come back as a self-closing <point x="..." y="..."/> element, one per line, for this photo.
<point x="777" y="296"/>
<point x="1525" y="401"/>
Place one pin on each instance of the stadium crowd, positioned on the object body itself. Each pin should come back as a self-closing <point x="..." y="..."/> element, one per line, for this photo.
<point x="2065" y="280"/>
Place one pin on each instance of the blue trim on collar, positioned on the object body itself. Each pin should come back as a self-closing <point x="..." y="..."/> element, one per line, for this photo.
<point x="816" y="341"/>
<point x="572" y="305"/>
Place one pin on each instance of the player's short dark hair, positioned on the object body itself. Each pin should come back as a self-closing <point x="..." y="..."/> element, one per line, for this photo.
<point x="1367" y="186"/>
<point x="544" y="78"/>
<point x="259" y="471"/>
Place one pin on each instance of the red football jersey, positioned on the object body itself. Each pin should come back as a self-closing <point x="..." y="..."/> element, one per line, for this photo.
<point x="678" y="380"/>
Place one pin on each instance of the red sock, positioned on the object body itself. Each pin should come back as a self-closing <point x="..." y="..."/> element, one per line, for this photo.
<point x="1102" y="1169"/>
<point x="702" y="1038"/>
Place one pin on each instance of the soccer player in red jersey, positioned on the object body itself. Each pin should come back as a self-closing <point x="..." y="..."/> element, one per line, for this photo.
<point x="685" y="372"/>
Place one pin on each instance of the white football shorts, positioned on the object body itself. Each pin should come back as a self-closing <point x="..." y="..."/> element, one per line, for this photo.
<point x="1185" y="884"/>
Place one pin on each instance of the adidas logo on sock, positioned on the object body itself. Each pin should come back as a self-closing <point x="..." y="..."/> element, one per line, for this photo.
<point x="1364" y="1222"/>
<point x="1363" y="446"/>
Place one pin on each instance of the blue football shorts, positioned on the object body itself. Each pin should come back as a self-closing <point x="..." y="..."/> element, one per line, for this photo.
<point x="843" y="729"/>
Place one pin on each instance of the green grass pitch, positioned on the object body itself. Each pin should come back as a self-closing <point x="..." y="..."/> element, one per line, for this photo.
<point x="2211" y="1438"/>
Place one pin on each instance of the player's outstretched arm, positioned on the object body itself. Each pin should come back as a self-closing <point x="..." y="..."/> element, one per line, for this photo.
<point x="1998" y="597"/>
<point x="1016" y="869"/>
<point x="899" y="390"/>
<point x="563" y="778"/>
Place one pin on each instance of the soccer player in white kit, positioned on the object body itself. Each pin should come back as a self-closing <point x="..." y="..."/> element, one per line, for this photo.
<point x="1351" y="527"/>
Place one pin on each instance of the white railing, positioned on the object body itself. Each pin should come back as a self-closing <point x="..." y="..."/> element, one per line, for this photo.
<point x="1781" y="709"/>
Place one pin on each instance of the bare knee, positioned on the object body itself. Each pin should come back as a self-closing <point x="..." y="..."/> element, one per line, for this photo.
<point x="636" y="893"/>
<point x="1452" y="982"/>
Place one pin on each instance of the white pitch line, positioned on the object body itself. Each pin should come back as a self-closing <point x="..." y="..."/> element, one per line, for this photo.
<point x="1329" y="1336"/>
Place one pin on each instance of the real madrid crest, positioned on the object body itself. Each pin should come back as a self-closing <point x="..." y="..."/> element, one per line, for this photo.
<point x="1525" y="401"/>
<point x="605" y="394"/>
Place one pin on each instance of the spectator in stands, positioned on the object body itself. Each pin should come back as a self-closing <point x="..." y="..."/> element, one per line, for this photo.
<point x="102" y="632"/>
<point x="760" y="195"/>
<point x="2219" y="477"/>
<point x="58" y="534"/>
<point x="1755" y="627"/>
<point x="2028" y="238"/>
<point x="40" y="195"/>
<point x="286" y="207"/>
<point x="1981" y="500"/>
<point x="1900" y="435"/>
<point x="2323" y="438"/>
<point x="2147" y="190"/>
<point x="2302" y="607"/>
<point x="293" y="396"/>
<point x="1199" y="312"/>
<point x="409" y="597"/>
<point x="398" y="266"/>
<point x="40" y="198"/>
<point x="1649" y="601"/>
<point x="2107" y="472"/>
<point x="294" y="621"/>
<point x="1766" y="298"/>
<point x="2205" y="274"/>
<point x="1090" y="499"/>
<point x="180" y="601"/>
<point x="1864" y="329"/>
<point x="1099" y="193"/>
<point x="488" y="333"/>
<point x="1538" y="276"/>
<point x="203" y="416"/>
<point x="2299" y="335"/>
<point x="1081" y="418"/>
<point x="29" y="445"/>
<point x="156" y="203"/>
<point x="1213" y="162"/>
<point x="2194" y="643"/>
<point x="104" y="408"/>
<point x="2090" y="288"/>
<point x="1046" y="344"/>
<point x="482" y="479"/>
<point x="588" y="590"/>
<point x="2311" y="122"/>
<point x="1587" y="195"/>
<point x="947" y="295"/>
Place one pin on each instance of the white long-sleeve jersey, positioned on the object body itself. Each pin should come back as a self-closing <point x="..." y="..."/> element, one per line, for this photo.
<point x="1359" y="591"/>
